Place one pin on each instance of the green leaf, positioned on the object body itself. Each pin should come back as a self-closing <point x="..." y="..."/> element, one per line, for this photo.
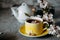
<point x="27" y="15"/>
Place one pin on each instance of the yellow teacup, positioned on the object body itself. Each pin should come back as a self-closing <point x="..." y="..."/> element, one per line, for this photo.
<point x="34" y="28"/>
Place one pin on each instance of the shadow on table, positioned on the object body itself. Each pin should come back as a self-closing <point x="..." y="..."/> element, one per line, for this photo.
<point x="46" y="36"/>
<point x="8" y="37"/>
<point x="43" y="37"/>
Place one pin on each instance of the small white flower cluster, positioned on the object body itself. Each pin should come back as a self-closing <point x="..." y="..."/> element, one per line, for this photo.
<point x="45" y="17"/>
<point x="0" y="32"/>
<point x="48" y="17"/>
<point x="54" y="30"/>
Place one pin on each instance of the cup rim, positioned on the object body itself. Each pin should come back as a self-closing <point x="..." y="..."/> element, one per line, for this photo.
<point x="37" y="18"/>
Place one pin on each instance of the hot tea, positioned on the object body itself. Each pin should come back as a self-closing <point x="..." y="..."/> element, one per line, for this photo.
<point x="33" y="21"/>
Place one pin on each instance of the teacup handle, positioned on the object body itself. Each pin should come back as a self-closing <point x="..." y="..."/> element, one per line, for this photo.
<point x="46" y="26"/>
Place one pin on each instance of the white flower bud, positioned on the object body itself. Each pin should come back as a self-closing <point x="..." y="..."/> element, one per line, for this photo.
<point x="58" y="35"/>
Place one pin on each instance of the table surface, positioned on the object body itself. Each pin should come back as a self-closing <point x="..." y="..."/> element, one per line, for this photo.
<point x="10" y="26"/>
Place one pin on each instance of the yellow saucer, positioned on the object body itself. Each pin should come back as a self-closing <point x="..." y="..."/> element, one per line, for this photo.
<point x="22" y="31"/>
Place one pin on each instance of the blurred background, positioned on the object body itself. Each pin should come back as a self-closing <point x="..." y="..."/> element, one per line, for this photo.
<point x="9" y="24"/>
<point x="9" y="3"/>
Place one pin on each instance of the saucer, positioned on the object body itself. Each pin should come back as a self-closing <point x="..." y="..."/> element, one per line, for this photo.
<point x="22" y="31"/>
